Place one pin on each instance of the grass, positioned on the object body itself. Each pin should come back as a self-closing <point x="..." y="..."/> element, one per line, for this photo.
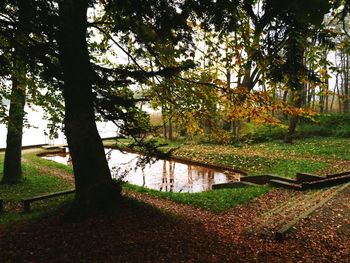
<point x="35" y="182"/>
<point x="34" y="159"/>
<point x="338" y="148"/>
<point x="216" y="201"/>
<point x="308" y="155"/>
<point x="289" y="168"/>
<point x="256" y="159"/>
<point x="38" y="210"/>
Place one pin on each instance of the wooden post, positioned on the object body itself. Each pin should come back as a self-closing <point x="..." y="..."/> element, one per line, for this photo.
<point x="26" y="206"/>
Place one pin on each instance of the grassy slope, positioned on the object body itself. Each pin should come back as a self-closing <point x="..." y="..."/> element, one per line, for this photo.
<point x="35" y="182"/>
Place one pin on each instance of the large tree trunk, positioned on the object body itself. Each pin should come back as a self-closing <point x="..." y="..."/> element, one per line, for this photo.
<point x="95" y="189"/>
<point x="12" y="173"/>
<point x="13" y="152"/>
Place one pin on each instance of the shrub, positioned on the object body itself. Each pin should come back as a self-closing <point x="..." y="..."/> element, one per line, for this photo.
<point x="337" y="125"/>
<point x="261" y="133"/>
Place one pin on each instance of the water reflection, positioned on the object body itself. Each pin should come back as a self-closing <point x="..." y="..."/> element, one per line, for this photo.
<point x="168" y="176"/>
<point x="163" y="175"/>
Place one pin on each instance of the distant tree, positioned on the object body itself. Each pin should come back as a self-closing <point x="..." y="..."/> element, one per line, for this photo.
<point x="289" y="33"/>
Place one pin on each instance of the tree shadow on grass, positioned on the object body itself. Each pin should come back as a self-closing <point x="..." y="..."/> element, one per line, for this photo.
<point x="136" y="233"/>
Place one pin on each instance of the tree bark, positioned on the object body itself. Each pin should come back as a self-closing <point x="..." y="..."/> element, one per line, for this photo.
<point x="297" y="102"/>
<point x="95" y="189"/>
<point x="13" y="152"/>
<point x="170" y="137"/>
<point x="12" y="173"/>
<point x="346" y="103"/>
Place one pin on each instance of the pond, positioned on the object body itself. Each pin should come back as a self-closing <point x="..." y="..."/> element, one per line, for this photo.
<point x="162" y="175"/>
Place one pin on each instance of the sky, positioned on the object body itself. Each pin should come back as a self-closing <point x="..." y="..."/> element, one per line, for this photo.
<point x="36" y="135"/>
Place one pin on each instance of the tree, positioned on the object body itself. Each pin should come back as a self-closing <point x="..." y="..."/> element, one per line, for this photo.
<point x="12" y="164"/>
<point x="294" y="24"/>
<point x="94" y="186"/>
<point x="84" y="89"/>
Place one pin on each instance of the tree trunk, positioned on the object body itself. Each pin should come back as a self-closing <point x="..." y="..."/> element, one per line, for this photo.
<point x="170" y="137"/>
<point x="297" y="102"/>
<point x="13" y="152"/>
<point x="346" y="103"/>
<point x="95" y="189"/>
<point x="284" y="100"/>
<point x="12" y="173"/>
<point x="165" y="133"/>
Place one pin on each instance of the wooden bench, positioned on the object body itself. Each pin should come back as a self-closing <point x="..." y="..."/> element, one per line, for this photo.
<point x="27" y="201"/>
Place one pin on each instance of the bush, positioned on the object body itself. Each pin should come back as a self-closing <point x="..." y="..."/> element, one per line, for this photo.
<point x="327" y="125"/>
<point x="260" y="133"/>
<point x="217" y="137"/>
<point x="337" y="125"/>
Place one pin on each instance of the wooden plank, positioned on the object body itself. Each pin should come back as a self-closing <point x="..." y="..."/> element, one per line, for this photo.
<point x="286" y="184"/>
<point x="52" y="147"/>
<point x="238" y="184"/>
<point x="27" y="201"/>
<point x="337" y="175"/>
<point x="41" y="197"/>
<point x="306" y="177"/>
<point x="328" y="182"/>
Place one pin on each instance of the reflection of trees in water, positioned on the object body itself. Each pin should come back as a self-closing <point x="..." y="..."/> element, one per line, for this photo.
<point x="211" y="175"/>
<point x="205" y="176"/>
<point x="189" y="176"/>
<point x="143" y="178"/>
<point x="165" y="183"/>
<point x="198" y="177"/>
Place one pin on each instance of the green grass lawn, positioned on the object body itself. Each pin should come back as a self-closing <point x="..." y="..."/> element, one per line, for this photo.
<point x="35" y="182"/>
<point x="314" y="155"/>
<point x="336" y="148"/>
<point x="216" y="201"/>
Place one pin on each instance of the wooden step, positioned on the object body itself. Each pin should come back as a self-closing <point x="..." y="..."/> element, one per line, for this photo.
<point x="306" y="177"/>
<point x="327" y="182"/>
<point x="337" y="175"/>
<point x="232" y="185"/>
<point x="285" y="184"/>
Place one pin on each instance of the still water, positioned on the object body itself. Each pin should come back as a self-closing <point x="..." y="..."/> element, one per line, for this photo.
<point x="163" y="175"/>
